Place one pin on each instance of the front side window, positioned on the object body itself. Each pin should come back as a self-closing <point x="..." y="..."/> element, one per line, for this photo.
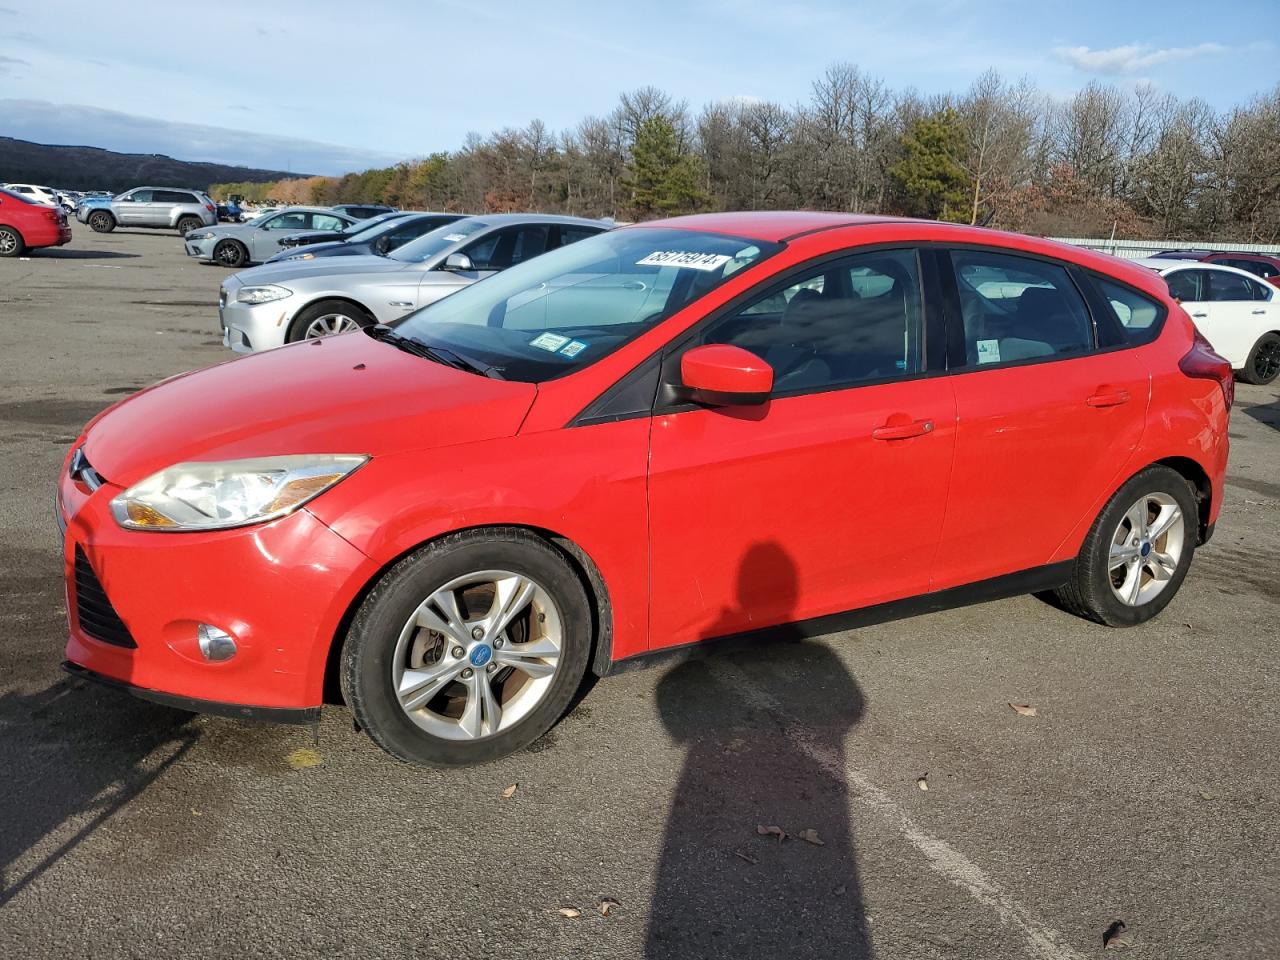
<point x="851" y="321"/>
<point x="1188" y="286"/>
<point x="287" y="221"/>
<point x="140" y="196"/>
<point x="556" y="312"/>
<point x="1016" y="308"/>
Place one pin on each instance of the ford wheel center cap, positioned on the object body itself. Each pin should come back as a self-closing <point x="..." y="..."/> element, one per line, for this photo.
<point x="480" y="655"/>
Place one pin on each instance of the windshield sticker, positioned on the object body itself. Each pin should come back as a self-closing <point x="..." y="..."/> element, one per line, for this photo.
<point x="455" y="237"/>
<point x="988" y="351"/>
<point x="572" y="348"/>
<point x="550" y="342"/>
<point x="690" y="261"/>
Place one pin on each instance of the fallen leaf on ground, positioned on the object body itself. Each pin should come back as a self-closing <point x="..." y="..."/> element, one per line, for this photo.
<point x="510" y="791"/>
<point x="1024" y="709"/>
<point x="1112" y="939"/>
<point x="195" y="812"/>
<point x="771" y="831"/>
<point x="923" y="782"/>
<point x="607" y="904"/>
<point x="811" y="836"/>
<point x="569" y="912"/>
<point x="741" y="855"/>
<point x="304" y="757"/>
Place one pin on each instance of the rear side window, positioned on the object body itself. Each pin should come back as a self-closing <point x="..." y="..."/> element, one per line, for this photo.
<point x="1140" y="317"/>
<point x="569" y="234"/>
<point x="324" y="221"/>
<point x="172" y="196"/>
<point x="1225" y="286"/>
<point x="1016" y="308"/>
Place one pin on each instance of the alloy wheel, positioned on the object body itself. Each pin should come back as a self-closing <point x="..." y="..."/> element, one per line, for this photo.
<point x="477" y="655"/>
<point x="1146" y="548"/>
<point x="1266" y="365"/>
<point x="8" y="243"/>
<point x="329" y="324"/>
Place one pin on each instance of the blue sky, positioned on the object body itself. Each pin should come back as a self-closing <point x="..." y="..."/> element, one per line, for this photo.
<point x="324" y="86"/>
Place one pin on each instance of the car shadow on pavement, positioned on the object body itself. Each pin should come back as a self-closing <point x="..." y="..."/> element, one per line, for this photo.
<point x="764" y="731"/>
<point x="62" y="253"/>
<point x="72" y="756"/>
<point x="1265" y="413"/>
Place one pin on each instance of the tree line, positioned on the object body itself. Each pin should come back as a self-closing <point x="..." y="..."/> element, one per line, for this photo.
<point x="1137" y="162"/>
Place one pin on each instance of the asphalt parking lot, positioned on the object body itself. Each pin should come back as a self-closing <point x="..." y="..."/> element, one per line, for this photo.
<point x="1144" y="789"/>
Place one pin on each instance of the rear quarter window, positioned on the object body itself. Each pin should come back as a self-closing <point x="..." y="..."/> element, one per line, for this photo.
<point x="1139" y="316"/>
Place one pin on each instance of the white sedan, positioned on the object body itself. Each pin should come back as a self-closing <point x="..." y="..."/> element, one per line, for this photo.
<point x="1235" y="311"/>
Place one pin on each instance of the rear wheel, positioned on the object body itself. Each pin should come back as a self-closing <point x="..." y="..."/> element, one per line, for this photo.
<point x="1263" y="364"/>
<point x="187" y="224"/>
<point x="468" y="649"/>
<point x="11" y="242"/>
<point x="102" y="221"/>
<point x="326" y="318"/>
<point x="1138" y="551"/>
<point x="231" y="253"/>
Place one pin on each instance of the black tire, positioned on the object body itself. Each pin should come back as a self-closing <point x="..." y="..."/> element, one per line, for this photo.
<point x="1089" y="594"/>
<point x="371" y="641"/>
<point x="1263" y="365"/>
<point x="323" y="308"/>
<point x="11" y="242"/>
<point x="102" y="221"/>
<point x="187" y="224"/>
<point x="231" y="253"/>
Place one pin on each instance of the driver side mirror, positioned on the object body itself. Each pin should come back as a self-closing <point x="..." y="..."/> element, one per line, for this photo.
<point x="458" y="261"/>
<point x="722" y="375"/>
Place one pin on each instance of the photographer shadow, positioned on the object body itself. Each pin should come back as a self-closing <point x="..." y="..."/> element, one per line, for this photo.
<point x="724" y="889"/>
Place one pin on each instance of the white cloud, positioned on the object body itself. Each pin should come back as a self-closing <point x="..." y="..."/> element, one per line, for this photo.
<point x="1132" y="57"/>
<point x="8" y="65"/>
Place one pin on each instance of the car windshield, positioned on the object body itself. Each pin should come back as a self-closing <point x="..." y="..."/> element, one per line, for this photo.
<point x="368" y="229"/>
<point x="439" y="239"/>
<point x="568" y="308"/>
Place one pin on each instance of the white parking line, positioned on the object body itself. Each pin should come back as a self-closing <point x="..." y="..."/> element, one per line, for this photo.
<point x="1041" y="940"/>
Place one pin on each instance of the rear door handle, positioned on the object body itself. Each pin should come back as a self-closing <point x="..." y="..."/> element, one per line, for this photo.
<point x="1199" y="314"/>
<point x="1111" y="399"/>
<point x="1257" y="313"/>
<point x="896" y="429"/>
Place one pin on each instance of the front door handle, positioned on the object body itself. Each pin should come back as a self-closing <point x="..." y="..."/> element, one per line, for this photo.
<point x="1111" y="398"/>
<point x="1258" y="313"/>
<point x="899" y="427"/>
<point x="1199" y="314"/>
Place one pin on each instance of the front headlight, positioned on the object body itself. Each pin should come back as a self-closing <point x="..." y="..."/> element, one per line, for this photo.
<point x="264" y="294"/>
<point x="302" y="256"/>
<point x="214" y="496"/>
<point x="199" y="236"/>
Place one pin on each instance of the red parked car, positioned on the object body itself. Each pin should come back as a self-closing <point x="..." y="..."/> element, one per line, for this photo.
<point x="25" y="224"/>
<point x="669" y="433"/>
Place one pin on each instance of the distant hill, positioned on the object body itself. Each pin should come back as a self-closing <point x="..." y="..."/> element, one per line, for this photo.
<point x="92" y="168"/>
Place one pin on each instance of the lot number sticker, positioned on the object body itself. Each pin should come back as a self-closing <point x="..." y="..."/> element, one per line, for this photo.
<point x="551" y="342"/>
<point x="988" y="351"/>
<point x="689" y="261"/>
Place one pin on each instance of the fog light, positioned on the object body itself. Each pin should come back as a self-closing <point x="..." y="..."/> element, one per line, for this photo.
<point x="216" y="645"/>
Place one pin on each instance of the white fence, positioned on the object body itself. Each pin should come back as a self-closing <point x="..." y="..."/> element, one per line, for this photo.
<point x="1135" y="249"/>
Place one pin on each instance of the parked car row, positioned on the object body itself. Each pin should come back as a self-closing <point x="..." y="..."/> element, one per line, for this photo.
<point x="492" y="488"/>
<point x="1259" y="264"/>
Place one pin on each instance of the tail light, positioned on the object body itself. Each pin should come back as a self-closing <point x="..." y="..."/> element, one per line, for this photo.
<point x="1203" y="364"/>
<point x="211" y="208"/>
<point x="53" y="213"/>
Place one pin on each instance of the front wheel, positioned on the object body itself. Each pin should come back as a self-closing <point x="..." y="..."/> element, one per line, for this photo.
<point x="100" y="221"/>
<point x="1138" y="551"/>
<point x="11" y="242"/>
<point x="231" y="253"/>
<point x="468" y="649"/>
<point x="1263" y="364"/>
<point x="326" y="318"/>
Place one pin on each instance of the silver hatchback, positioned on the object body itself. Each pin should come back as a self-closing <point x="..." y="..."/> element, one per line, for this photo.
<point x="280" y="303"/>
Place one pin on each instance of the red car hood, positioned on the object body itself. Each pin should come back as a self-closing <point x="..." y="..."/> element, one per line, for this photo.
<point x="347" y="394"/>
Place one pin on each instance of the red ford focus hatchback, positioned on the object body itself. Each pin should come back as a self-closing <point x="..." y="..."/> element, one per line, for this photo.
<point x="686" y="430"/>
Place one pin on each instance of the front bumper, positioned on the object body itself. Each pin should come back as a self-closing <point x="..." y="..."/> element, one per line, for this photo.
<point x="250" y="328"/>
<point x="281" y="589"/>
<point x="200" y="249"/>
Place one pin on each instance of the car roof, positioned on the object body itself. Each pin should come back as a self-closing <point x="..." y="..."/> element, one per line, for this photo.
<point x="768" y="225"/>
<point x="1166" y="266"/>
<point x="508" y="219"/>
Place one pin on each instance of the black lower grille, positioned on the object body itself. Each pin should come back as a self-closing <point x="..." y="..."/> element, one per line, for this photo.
<point x="98" y="618"/>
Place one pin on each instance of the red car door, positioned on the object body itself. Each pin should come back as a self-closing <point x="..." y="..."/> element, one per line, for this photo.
<point x="827" y="497"/>
<point x="1046" y="422"/>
